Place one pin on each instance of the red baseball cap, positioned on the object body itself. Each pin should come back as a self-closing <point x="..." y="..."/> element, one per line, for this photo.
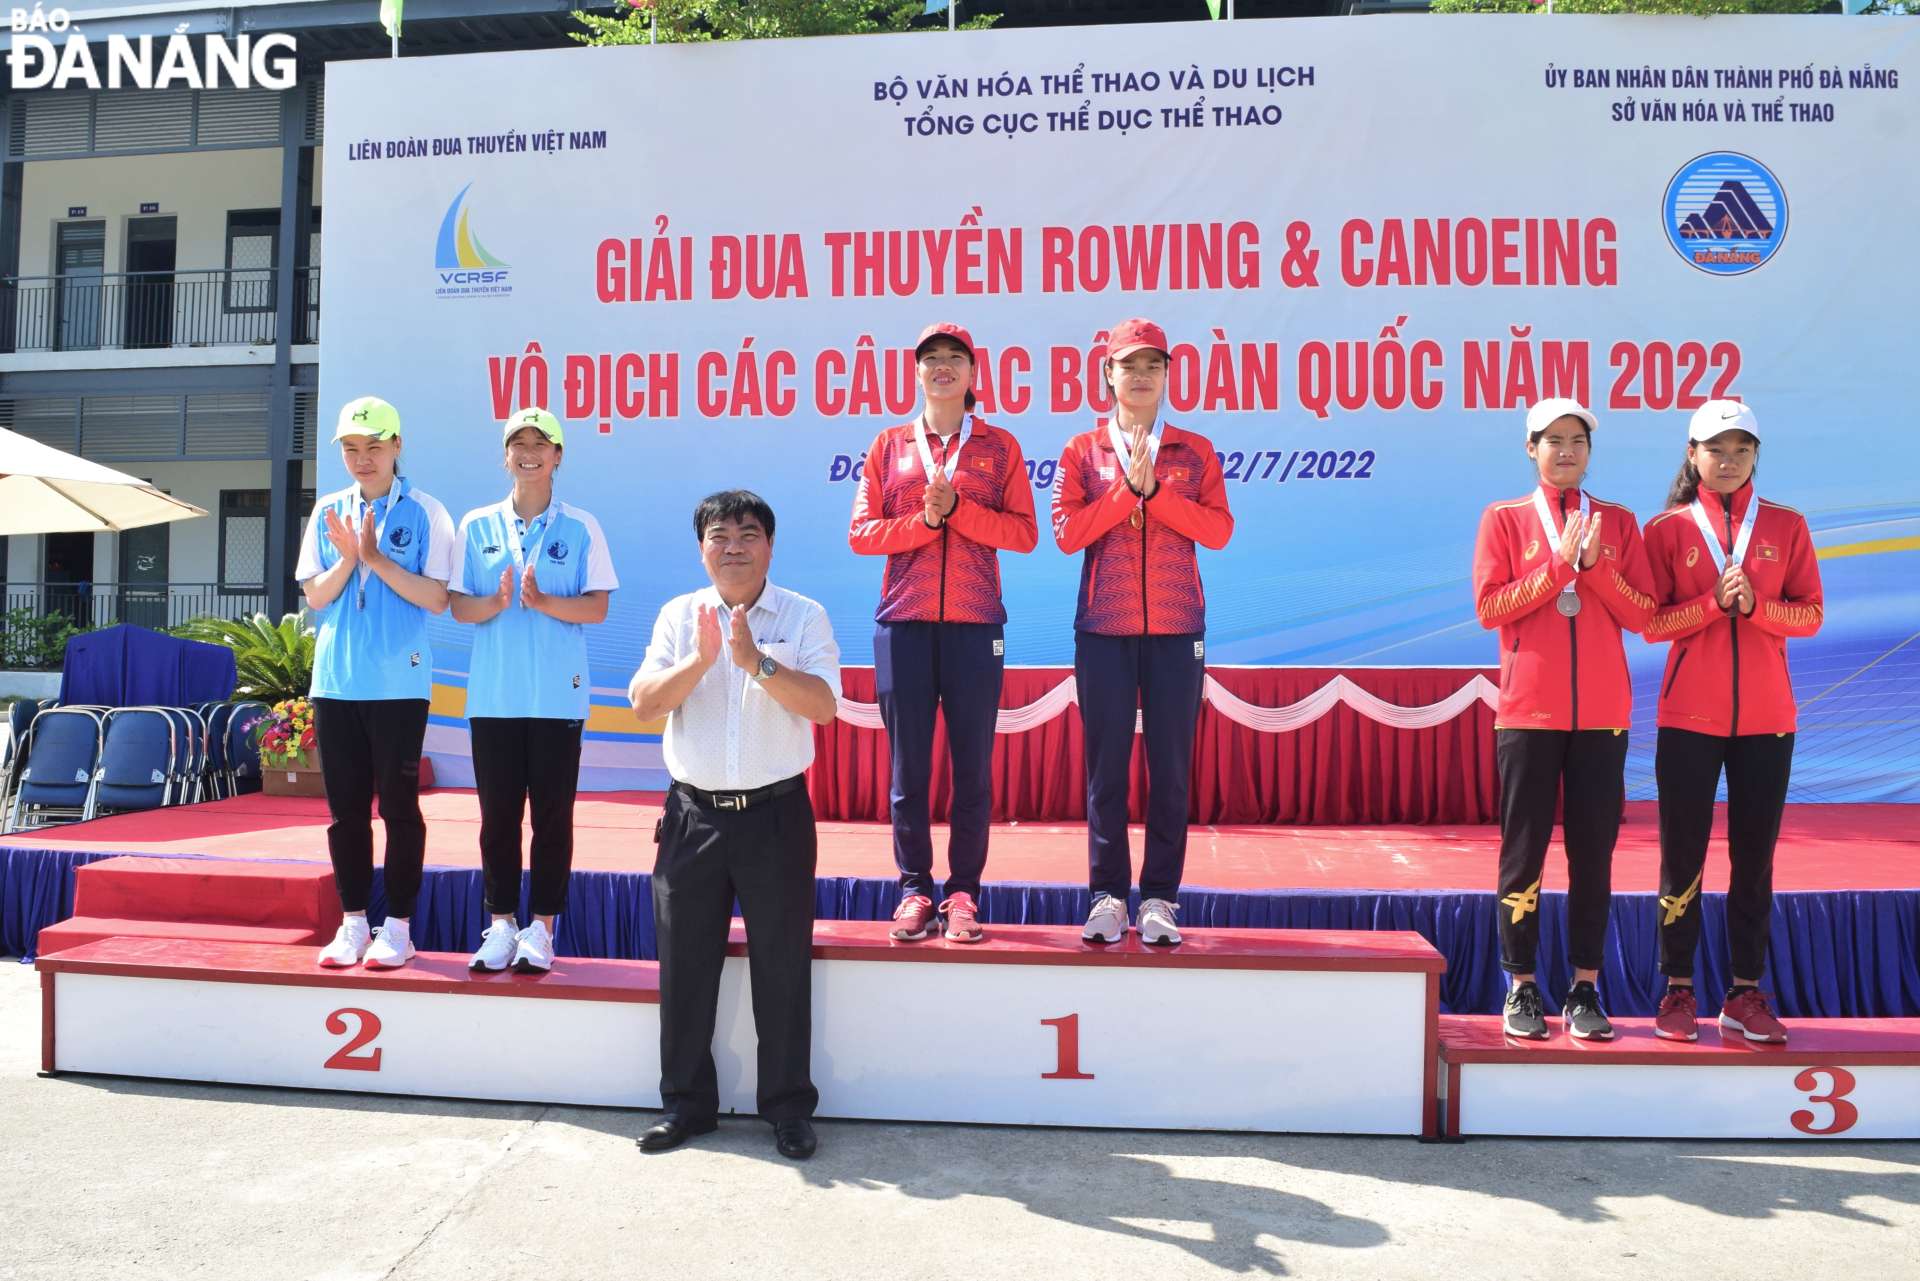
<point x="1130" y="336"/>
<point x="945" y="329"/>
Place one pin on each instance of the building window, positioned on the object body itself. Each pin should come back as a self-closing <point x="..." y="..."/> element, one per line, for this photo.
<point x="243" y="540"/>
<point x="253" y="242"/>
<point x="243" y="537"/>
<point x="252" y="237"/>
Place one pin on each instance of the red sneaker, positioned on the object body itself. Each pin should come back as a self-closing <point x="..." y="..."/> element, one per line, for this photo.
<point x="914" y="919"/>
<point x="963" y="919"/>
<point x="1679" y="1016"/>
<point x="1748" y="1015"/>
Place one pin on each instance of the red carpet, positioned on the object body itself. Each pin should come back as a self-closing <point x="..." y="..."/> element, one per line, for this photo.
<point x="1822" y="847"/>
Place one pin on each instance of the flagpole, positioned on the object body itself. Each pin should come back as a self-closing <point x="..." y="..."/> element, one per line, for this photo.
<point x="952" y="5"/>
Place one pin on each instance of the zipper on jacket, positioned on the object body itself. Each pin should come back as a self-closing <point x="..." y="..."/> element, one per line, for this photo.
<point x="1573" y="634"/>
<point x="1733" y="621"/>
<point x="1146" y="624"/>
<point x="1679" y="658"/>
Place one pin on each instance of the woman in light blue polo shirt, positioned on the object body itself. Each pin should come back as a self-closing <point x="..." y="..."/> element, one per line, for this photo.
<point x="530" y="573"/>
<point x="374" y="562"/>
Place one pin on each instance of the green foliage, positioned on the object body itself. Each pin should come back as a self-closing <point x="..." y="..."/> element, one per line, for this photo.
<point x="690" y="21"/>
<point x="1697" y="8"/>
<point x="34" y="642"/>
<point x="274" y="662"/>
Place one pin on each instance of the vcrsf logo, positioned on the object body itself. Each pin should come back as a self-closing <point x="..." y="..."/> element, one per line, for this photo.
<point x="464" y="266"/>
<point x="48" y="54"/>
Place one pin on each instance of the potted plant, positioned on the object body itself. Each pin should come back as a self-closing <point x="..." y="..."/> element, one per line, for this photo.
<point x="289" y="750"/>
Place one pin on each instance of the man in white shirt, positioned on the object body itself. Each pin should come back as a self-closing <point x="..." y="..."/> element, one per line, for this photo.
<point x="742" y="671"/>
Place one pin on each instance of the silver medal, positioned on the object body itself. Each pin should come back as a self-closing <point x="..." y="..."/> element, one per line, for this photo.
<point x="1567" y="603"/>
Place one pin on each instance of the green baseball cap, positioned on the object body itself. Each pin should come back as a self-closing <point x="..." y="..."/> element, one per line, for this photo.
<point x="367" y="416"/>
<point x="538" y="419"/>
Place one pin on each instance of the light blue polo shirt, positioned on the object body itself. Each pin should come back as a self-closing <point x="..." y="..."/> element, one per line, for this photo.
<point x="372" y="643"/>
<point x="526" y="663"/>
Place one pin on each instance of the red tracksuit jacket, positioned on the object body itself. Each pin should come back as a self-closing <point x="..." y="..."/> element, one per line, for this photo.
<point x="1727" y="674"/>
<point x="1145" y="581"/>
<point x="1558" y="672"/>
<point x="950" y="574"/>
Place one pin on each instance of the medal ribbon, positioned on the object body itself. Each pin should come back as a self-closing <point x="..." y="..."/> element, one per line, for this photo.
<point x="1740" y="541"/>
<point x="926" y="453"/>
<point x="1553" y="535"/>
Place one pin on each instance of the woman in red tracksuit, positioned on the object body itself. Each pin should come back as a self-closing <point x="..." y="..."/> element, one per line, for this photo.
<point x="1561" y="574"/>
<point x="1734" y="577"/>
<point x="940" y="497"/>
<point x="1135" y="494"/>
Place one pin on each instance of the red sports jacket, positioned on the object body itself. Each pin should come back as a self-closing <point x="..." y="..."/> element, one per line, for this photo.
<point x="1728" y="675"/>
<point x="950" y="574"/>
<point x="1558" y="672"/>
<point x="1145" y="581"/>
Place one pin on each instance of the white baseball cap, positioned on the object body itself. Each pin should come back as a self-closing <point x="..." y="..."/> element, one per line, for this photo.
<point x="1544" y="414"/>
<point x="1717" y="416"/>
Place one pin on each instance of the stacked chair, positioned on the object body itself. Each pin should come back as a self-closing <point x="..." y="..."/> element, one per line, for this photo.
<point x="68" y="763"/>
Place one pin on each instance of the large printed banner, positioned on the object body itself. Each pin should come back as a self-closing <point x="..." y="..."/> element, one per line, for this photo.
<point x="1373" y="242"/>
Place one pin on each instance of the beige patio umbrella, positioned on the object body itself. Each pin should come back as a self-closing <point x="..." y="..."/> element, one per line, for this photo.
<point x="44" y="490"/>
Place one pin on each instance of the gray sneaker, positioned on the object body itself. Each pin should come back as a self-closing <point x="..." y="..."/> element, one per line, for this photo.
<point x="1107" y="922"/>
<point x="1525" y="1018"/>
<point x="1582" y="1014"/>
<point x="1156" y="922"/>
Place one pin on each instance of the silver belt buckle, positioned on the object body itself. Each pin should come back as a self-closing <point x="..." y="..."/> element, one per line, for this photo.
<point x="729" y="800"/>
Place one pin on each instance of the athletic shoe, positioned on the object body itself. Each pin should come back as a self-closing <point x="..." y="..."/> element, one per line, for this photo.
<point x="392" y="946"/>
<point x="914" y="919"/>
<point x="1107" y="922"/>
<point x="1584" y="1019"/>
<point x="1156" y="922"/>
<point x="1526" y="1013"/>
<point x="496" y="947"/>
<point x="349" y="944"/>
<point x="1679" y="1016"/>
<point x="1746" y="1012"/>
<point x="533" y="950"/>
<point x="963" y="919"/>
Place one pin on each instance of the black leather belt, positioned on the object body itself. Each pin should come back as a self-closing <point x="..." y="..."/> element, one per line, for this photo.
<point x="739" y="800"/>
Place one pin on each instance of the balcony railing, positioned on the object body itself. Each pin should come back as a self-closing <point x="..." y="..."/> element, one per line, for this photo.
<point x="152" y="309"/>
<point x="155" y="605"/>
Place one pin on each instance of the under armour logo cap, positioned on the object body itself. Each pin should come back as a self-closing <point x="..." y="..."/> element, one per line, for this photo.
<point x="538" y="419"/>
<point x="1717" y="416"/>
<point x="367" y="416"/>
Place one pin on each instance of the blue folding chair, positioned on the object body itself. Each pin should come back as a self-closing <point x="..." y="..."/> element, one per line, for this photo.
<point x="243" y="748"/>
<point x="137" y="762"/>
<point x="191" y="735"/>
<point x="219" y="771"/>
<point x="62" y="758"/>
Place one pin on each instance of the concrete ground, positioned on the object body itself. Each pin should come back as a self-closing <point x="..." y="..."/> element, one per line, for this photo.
<point x="106" y="1178"/>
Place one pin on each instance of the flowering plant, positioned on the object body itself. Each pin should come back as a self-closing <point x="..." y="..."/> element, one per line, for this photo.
<point x="287" y="734"/>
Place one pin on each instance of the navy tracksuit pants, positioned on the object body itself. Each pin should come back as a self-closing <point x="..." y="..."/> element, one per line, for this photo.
<point x="955" y="668"/>
<point x="1161" y="677"/>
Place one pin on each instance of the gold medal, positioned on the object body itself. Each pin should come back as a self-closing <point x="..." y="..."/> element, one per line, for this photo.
<point x="1136" y="519"/>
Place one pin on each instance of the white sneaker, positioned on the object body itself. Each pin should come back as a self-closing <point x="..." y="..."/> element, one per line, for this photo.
<point x="496" y="948"/>
<point x="349" y="944"/>
<point x="1156" y="922"/>
<point x="392" y="946"/>
<point x="1107" y="922"/>
<point x="533" y="950"/>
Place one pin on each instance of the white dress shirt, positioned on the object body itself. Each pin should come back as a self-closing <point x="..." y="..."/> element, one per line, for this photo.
<point x="731" y="735"/>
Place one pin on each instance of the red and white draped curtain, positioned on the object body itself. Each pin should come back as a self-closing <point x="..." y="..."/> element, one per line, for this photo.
<point x="1282" y="745"/>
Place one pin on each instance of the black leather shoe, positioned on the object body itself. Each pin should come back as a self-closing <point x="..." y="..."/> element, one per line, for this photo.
<point x="795" y="1138"/>
<point x="673" y="1129"/>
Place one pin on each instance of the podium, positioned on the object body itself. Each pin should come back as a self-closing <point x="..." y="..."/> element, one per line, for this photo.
<point x="1834" y="1078"/>
<point x="1263" y="1030"/>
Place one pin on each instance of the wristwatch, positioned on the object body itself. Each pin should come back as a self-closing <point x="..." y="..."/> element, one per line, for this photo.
<point x="766" y="669"/>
